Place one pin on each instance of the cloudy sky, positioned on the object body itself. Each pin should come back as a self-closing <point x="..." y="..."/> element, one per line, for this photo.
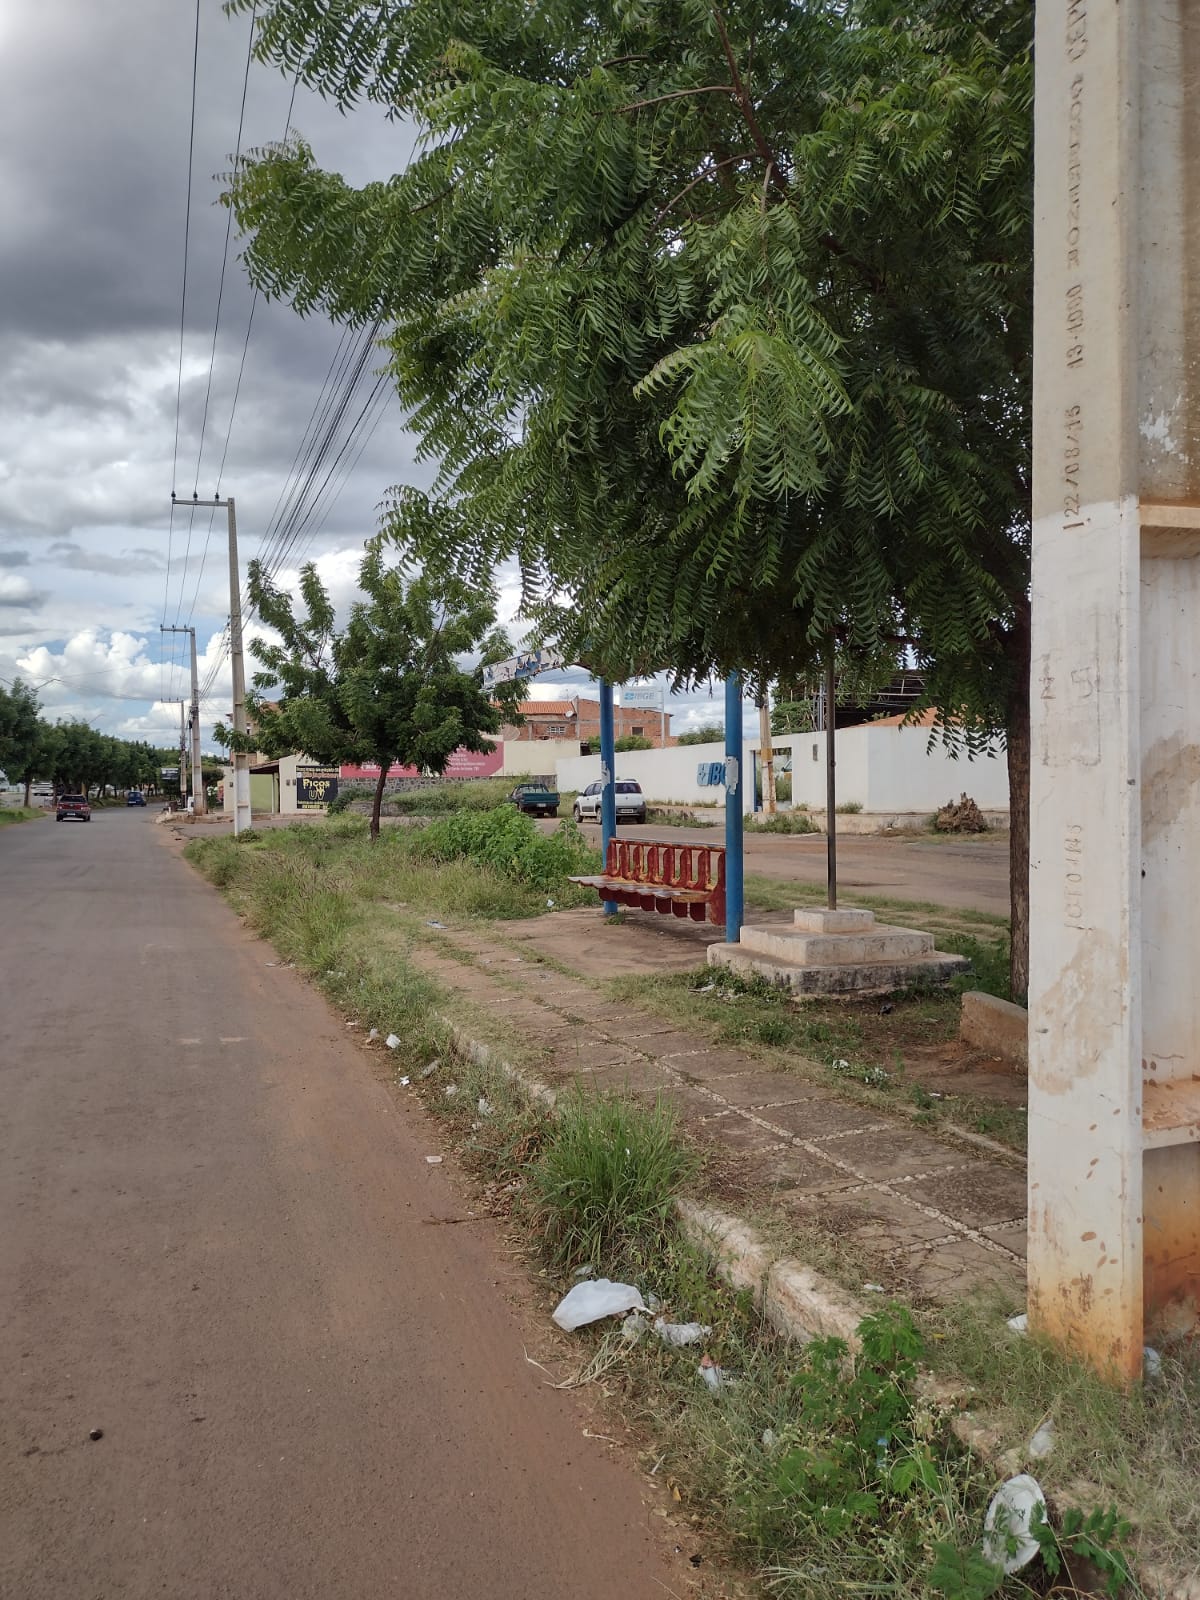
<point x="94" y="122"/>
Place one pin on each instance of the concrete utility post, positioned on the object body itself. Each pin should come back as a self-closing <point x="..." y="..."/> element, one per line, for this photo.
<point x="199" y="801"/>
<point x="241" y="760"/>
<point x="1114" y="1041"/>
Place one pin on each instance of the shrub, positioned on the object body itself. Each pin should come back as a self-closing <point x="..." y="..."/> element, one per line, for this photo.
<point x="509" y="843"/>
<point x="782" y="822"/>
<point x="633" y="741"/>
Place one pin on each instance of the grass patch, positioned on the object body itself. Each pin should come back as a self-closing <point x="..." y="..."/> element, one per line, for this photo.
<point x="782" y="894"/>
<point x="661" y="817"/>
<point x="20" y="814"/>
<point x="781" y="822"/>
<point x="604" y="1185"/>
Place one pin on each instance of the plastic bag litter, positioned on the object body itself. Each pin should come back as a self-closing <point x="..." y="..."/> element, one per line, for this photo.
<point x="484" y="1107"/>
<point x="392" y="1041"/>
<point x="404" y="1082"/>
<point x="428" y="1072"/>
<point x="681" y="1333"/>
<point x="450" y="1091"/>
<point x="595" y="1298"/>
<point x="434" y="1161"/>
<point x="874" y="1288"/>
<point x="1019" y="1324"/>
<point x="714" y="1376"/>
<point x="1042" y="1441"/>
<point x="1151" y="1362"/>
<point x="374" y="1034"/>
<point x="769" y="1438"/>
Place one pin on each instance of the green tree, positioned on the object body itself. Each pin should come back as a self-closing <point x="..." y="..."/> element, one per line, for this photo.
<point x="708" y="733"/>
<point x="21" y="732"/>
<point x="633" y="741"/>
<point x="388" y="688"/>
<point x="717" y="319"/>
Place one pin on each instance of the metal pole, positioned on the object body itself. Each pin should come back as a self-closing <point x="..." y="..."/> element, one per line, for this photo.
<point x="830" y="783"/>
<point x="608" y="777"/>
<point x="733" y="809"/>
<point x="766" y="756"/>
<point x="663" y="708"/>
<point x="182" y="756"/>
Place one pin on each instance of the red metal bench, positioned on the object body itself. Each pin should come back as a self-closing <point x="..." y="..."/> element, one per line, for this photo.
<point x="686" y="880"/>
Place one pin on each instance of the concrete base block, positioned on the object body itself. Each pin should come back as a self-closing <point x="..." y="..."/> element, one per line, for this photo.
<point x="873" y="977"/>
<point x="995" y="1025"/>
<point x="801" y="949"/>
<point x="847" y="921"/>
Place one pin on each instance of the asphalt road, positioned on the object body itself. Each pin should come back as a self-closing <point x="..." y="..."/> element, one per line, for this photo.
<point x="214" y="1248"/>
<point x="967" y="874"/>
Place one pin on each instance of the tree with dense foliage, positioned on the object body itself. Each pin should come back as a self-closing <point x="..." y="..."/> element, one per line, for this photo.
<point x="387" y="688"/>
<point x="707" y="733"/>
<point x="717" y="318"/>
<point x="20" y="733"/>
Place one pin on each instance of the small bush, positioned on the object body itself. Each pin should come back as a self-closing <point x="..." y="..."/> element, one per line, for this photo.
<point x="849" y="808"/>
<point x="602" y="1189"/>
<point x="508" y="842"/>
<point x="633" y="741"/>
<point x="783" y="822"/>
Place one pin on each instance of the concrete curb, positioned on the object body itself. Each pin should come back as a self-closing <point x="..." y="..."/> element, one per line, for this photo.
<point x="802" y="1305"/>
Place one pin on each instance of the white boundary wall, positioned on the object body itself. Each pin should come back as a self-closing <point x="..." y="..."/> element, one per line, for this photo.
<point x="881" y="769"/>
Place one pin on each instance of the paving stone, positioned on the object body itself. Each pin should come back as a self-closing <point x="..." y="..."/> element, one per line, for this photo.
<point x="819" y="1118"/>
<point x="879" y="1221"/>
<point x="759" y="1089"/>
<point x="706" y="1065"/>
<point x="950" y="1271"/>
<point x="1014" y="1238"/>
<point x="982" y="1195"/>
<point x="895" y="1152"/>
<point x="585" y="1053"/>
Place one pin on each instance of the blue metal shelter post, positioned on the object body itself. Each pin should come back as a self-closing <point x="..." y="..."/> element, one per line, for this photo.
<point x="734" y="779"/>
<point x="608" y="776"/>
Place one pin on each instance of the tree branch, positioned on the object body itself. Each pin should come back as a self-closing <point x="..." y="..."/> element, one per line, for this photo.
<point x="680" y="94"/>
<point x="743" y="98"/>
<point x="708" y="172"/>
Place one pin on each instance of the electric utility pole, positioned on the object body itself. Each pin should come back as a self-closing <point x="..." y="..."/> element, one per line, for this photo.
<point x="241" y="761"/>
<point x="178" y="700"/>
<point x="199" y="805"/>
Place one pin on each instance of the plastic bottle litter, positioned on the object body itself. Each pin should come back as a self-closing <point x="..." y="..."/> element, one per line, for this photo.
<point x="681" y="1333"/>
<point x="1007" y="1541"/>
<point x="392" y="1041"/>
<point x="428" y="1072"/>
<point x="593" y="1299"/>
<point x="874" y="1288"/>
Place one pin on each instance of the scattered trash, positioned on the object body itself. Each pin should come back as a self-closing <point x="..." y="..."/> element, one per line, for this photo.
<point x="840" y="1066"/>
<point x="633" y="1327"/>
<point x="434" y="1161"/>
<point x="714" y="1376"/>
<point x="404" y="1082"/>
<point x="96" y="1433"/>
<point x="428" y="1072"/>
<point x="450" y="1091"/>
<point x="430" y="923"/>
<point x="582" y="1272"/>
<point x="392" y="1041"/>
<point x="886" y="1009"/>
<point x="476" y="1126"/>
<point x="680" y="1333"/>
<point x="769" y="1438"/>
<point x="1019" y="1324"/>
<point x="653" y="1304"/>
<point x="706" y="988"/>
<point x="373" y="1035"/>
<point x="271" y="963"/>
<point x="1007" y="1541"/>
<point x="352" y="1023"/>
<point x="595" y="1298"/>
<point x="549" y="905"/>
<point x="1042" y="1441"/>
<point x="874" y="1288"/>
<point x="484" y="1107"/>
<point x="1151" y="1362"/>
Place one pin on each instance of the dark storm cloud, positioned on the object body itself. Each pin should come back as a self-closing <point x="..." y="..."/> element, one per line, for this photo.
<point x="78" y="559"/>
<point x="14" y="558"/>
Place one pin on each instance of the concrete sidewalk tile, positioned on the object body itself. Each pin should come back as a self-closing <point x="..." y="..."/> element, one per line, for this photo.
<point x="895" y="1153"/>
<point x="802" y="1173"/>
<point x="635" y="1077"/>
<point x="665" y="1041"/>
<point x="763" y="1089"/>
<point x="818" y="1118"/>
<point x="706" y="1066"/>
<point x="587" y="1053"/>
<point x="1014" y="1237"/>
<point x="950" y="1271"/>
<point x="879" y="1221"/>
<point x="983" y="1194"/>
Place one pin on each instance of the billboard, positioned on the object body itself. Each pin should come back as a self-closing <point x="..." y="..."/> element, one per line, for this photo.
<point x="526" y="665"/>
<point x="462" y="764"/>
<point x="315" y="787"/>
<point x="642" y="694"/>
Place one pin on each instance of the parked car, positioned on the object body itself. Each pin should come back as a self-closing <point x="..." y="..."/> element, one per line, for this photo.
<point x="631" y="802"/>
<point x="72" y="808"/>
<point x="535" y="800"/>
<point x="135" y="797"/>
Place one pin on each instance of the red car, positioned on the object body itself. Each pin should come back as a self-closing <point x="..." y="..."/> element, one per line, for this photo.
<point x="72" y="807"/>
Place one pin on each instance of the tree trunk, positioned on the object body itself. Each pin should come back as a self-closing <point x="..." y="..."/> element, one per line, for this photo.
<point x="28" y="788"/>
<point x="377" y="804"/>
<point x="1018" y="803"/>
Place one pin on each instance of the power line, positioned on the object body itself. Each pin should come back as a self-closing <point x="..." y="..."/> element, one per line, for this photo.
<point x="212" y="357"/>
<point x="187" y="228"/>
